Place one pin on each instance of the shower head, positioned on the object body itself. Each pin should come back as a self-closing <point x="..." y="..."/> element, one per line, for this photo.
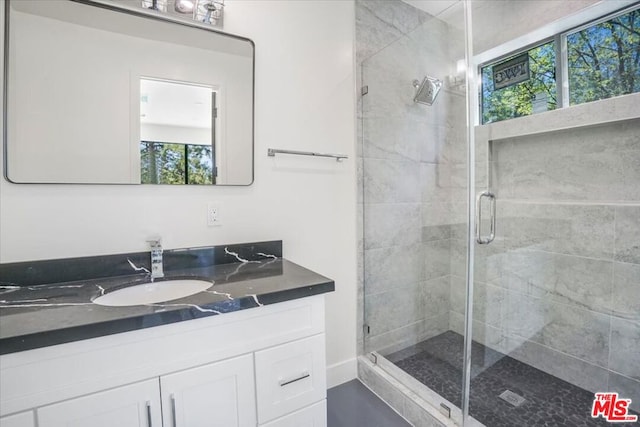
<point x="427" y="91"/>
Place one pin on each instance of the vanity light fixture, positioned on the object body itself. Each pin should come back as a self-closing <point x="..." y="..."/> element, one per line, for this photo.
<point x="159" y="5"/>
<point x="205" y="11"/>
<point x="184" y="6"/>
<point x="209" y="12"/>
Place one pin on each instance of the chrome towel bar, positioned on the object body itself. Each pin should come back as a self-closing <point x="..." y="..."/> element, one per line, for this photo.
<point x="273" y="151"/>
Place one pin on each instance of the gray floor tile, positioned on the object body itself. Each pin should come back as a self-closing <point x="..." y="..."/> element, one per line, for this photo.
<point x="353" y="405"/>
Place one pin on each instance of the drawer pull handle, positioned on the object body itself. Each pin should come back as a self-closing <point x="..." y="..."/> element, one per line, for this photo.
<point x="301" y="377"/>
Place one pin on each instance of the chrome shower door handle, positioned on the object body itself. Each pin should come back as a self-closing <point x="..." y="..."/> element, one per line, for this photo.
<point x="492" y="232"/>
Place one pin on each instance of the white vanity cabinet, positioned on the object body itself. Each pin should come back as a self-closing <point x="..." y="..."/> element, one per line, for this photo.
<point x="262" y="366"/>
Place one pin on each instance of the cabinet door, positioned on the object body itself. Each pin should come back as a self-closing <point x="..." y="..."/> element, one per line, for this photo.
<point x="24" y="419"/>
<point x="221" y="394"/>
<point x="135" y="405"/>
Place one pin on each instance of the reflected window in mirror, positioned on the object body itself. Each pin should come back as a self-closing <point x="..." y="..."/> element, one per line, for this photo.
<point x="165" y="163"/>
<point x="177" y="132"/>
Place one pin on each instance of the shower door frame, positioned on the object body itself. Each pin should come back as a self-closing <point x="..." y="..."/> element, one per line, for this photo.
<point x="472" y="108"/>
<point x="457" y="415"/>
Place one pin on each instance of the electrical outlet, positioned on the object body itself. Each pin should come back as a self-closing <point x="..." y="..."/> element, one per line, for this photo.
<point x="213" y="214"/>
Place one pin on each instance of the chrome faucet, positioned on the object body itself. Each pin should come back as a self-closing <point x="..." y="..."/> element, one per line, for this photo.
<point x="156" y="258"/>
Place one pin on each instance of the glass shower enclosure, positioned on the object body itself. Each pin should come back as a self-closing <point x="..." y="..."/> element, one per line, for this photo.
<point x="501" y="223"/>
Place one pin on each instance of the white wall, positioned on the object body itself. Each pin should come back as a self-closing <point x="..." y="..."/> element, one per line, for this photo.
<point x="495" y="22"/>
<point x="499" y="27"/>
<point x="305" y="101"/>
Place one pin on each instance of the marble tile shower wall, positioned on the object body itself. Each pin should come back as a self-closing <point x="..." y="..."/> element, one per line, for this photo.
<point x="411" y="158"/>
<point x="559" y="288"/>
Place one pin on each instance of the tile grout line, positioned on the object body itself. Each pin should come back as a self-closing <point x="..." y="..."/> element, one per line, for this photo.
<point x="569" y="202"/>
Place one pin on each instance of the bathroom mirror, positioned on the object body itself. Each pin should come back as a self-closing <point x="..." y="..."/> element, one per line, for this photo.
<point x="105" y="92"/>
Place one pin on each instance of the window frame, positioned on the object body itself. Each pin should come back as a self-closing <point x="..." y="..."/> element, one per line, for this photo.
<point x="556" y="32"/>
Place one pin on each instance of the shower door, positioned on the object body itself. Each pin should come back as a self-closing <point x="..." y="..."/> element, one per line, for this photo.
<point x="413" y="196"/>
<point x="556" y="265"/>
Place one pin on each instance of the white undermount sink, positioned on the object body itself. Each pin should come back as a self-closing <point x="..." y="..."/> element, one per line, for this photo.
<point x="149" y="293"/>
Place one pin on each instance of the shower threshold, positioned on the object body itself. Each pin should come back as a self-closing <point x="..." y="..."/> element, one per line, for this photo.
<point x="534" y="398"/>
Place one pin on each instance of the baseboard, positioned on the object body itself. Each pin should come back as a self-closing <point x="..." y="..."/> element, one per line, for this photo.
<point x="342" y="372"/>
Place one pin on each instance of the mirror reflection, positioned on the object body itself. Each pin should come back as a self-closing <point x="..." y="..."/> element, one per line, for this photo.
<point x="102" y="94"/>
<point x="177" y="133"/>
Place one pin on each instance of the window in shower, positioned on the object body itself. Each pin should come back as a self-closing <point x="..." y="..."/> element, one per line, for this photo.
<point x="535" y="94"/>
<point x="602" y="60"/>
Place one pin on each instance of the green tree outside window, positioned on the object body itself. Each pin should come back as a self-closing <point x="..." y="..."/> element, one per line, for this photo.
<point x="604" y="60"/>
<point x="165" y="163"/>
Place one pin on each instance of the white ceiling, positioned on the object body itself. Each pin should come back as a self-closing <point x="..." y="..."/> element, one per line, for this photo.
<point x="449" y="11"/>
<point x="175" y="104"/>
<point x="432" y="7"/>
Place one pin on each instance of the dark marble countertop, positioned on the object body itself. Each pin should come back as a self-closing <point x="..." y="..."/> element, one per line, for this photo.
<point x="34" y="315"/>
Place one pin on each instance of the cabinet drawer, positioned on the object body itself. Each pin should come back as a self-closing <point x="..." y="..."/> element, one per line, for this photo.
<point x="289" y="377"/>
<point x="311" y="416"/>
